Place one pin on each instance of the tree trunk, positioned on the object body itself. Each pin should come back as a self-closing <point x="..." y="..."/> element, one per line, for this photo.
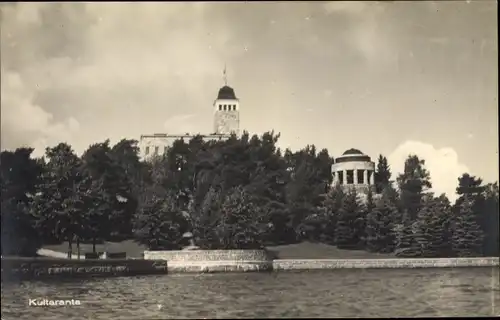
<point x="70" y="248"/>
<point x="78" y="247"/>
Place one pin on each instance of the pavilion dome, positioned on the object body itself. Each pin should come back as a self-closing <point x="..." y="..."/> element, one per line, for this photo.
<point x="352" y="152"/>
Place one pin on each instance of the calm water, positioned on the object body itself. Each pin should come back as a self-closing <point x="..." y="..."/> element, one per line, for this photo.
<point x="336" y="293"/>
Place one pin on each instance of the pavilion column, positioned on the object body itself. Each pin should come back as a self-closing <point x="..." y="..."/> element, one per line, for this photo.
<point x="365" y="176"/>
<point x="355" y="176"/>
<point x="372" y="178"/>
<point x="344" y="177"/>
<point x="336" y="177"/>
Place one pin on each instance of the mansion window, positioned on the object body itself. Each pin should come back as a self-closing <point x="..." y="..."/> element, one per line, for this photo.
<point x="147" y="150"/>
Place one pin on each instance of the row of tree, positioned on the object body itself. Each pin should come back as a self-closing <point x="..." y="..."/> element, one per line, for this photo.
<point x="239" y="193"/>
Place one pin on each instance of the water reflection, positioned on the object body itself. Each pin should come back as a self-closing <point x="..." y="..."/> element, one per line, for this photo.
<point x="339" y="293"/>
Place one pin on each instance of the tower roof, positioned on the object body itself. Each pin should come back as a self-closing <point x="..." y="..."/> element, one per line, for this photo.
<point x="352" y="152"/>
<point x="226" y="92"/>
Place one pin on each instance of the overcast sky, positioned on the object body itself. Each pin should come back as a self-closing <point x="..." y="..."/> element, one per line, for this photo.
<point x="390" y="77"/>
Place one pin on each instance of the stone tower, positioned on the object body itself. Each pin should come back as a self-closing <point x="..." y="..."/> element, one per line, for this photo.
<point x="226" y="111"/>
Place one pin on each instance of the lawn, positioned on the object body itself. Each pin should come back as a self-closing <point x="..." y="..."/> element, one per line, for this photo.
<point x="309" y="250"/>
<point x="304" y="250"/>
<point x="132" y="249"/>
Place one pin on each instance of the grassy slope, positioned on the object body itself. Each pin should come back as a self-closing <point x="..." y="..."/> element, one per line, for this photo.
<point x="304" y="250"/>
<point x="132" y="249"/>
<point x="308" y="250"/>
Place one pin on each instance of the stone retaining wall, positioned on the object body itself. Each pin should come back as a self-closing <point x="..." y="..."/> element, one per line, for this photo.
<point x="155" y="262"/>
<point x="209" y="255"/>
<point x="214" y="260"/>
<point x="283" y="265"/>
<point x="30" y="268"/>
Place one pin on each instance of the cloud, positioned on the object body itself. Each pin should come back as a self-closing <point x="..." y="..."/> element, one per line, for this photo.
<point x="443" y="165"/>
<point x="95" y="68"/>
<point x="29" y="124"/>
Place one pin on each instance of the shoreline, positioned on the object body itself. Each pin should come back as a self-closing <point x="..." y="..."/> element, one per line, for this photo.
<point x="210" y="262"/>
<point x="393" y="263"/>
<point x="15" y="269"/>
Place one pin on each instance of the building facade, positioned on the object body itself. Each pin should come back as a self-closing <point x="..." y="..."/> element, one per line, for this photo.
<point x="226" y="121"/>
<point x="354" y="170"/>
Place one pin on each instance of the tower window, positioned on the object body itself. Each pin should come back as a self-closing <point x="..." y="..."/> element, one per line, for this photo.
<point x="220" y="107"/>
<point x="225" y="107"/>
<point x="147" y="150"/>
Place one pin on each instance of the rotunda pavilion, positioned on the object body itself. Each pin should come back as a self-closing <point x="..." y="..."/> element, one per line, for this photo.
<point x="354" y="169"/>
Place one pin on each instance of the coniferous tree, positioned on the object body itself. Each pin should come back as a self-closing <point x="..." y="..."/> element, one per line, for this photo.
<point x="431" y="225"/>
<point x="383" y="174"/>
<point x="406" y="244"/>
<point x="345" y="236"/>
<point x="470" y="185"/>
<point x="445" y="211"/>
<point x="390" y="194"/>
<point x="467" y="235"/>
<point x="490" y="221"/>
<point x="413" y="183"/>
<point x="483" y="206"/>
<point x="380" y="227"/>
<point x="372" y="241"/>
<point x="359" y="226"/>
<point x="330" y="212"/>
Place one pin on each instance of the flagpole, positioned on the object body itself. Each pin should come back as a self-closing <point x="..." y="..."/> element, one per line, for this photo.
<point x="225" y="75"/>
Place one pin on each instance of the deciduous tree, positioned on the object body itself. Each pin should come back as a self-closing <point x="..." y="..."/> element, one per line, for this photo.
<point x="19" y="175"/>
